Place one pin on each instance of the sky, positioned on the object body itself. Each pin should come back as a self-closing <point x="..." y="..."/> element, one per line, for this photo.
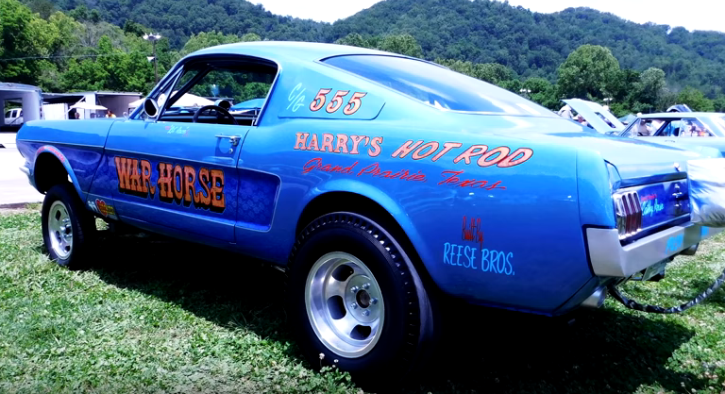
<point x="690" y="14"/>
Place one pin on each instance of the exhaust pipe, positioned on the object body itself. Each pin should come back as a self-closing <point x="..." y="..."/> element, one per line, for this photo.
<point x="596" y="300"/>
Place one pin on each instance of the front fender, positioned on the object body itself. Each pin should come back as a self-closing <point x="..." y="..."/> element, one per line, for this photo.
<point x="52" y="150"/>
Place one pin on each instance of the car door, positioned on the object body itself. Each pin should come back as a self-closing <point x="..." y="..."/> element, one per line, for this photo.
<point x="179" y="171"/>
<point x="669" y="131"/>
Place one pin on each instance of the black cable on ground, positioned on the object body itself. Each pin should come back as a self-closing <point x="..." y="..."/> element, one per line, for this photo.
<point x="631" y="304"/>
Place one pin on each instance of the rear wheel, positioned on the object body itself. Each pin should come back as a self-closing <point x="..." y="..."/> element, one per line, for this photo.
<point x="357" y="302"/>
<point x="67" y="227"/>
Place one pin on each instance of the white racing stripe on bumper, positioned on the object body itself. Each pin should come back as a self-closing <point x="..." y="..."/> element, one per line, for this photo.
<point x="610" y="258"/>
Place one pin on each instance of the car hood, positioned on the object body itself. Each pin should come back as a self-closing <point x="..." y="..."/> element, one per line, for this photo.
<point x="590" y="110"/>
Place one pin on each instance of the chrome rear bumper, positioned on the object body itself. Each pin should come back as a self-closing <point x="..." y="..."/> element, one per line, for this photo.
<point x="610" y="258"/>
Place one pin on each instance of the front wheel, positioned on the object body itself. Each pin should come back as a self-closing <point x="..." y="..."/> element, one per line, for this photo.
<point x="357" y="302"/>
<point x="67" y="227"/>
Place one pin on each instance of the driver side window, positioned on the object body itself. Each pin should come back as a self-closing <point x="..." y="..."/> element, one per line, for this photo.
<point x="642" y="128"/>
<point x="240" y="88"/>
<point x="671" y="129"/>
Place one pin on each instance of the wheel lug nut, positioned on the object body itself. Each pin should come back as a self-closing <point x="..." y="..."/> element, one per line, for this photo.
<point x="354" y="289"/>
<point x="353" y="305"/>
<point x="374" y="301"/>
<point x="366" y="286"/>
<point x="366" y="313"/>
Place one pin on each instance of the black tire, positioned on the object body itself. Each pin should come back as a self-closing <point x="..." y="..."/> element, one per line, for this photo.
<point x="82" y="225"/>
<point x="692" y="250"/>
<point x="409" y="327"/>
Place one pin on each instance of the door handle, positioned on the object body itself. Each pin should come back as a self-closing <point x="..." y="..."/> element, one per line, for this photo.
<point x="233" y="139"/>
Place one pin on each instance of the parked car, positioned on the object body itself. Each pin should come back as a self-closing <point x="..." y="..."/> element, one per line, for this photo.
<point x="14" y="116"/>
<point x="679" y="108"/>
<point x="688" y="129"/>
<point x="381" y="184"/>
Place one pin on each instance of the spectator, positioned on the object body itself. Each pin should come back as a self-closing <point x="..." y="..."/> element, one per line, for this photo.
<point x="643" y="129"/>
<point x="565" y="112"/>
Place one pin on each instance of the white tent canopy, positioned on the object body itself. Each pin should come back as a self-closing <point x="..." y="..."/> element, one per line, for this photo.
<point x="187" y="100"/>
<point x="88" y="106"/>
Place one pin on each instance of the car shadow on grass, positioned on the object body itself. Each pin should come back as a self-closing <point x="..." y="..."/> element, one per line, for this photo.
<point x="482" y="350"/>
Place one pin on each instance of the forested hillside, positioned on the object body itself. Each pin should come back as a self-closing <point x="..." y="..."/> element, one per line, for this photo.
<point x="485" y="31"/>
<point x="73" y="45"/>
<point x="481" y="31"/>
<point x="178" y="19"/>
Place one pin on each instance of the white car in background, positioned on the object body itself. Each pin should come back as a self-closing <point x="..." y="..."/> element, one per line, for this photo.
<point x="14" y="116"/>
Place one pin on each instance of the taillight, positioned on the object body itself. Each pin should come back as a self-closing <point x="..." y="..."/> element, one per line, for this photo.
<point x="628" y="210"/>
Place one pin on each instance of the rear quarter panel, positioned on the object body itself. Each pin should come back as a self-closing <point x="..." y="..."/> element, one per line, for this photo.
<point x="505" y="236"/>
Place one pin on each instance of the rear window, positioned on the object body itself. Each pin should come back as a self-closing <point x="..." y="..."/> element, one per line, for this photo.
<point x="437" y="86"/>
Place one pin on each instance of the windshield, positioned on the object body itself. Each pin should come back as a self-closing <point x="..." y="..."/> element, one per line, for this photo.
<point x="716" y="124"/>
<point x="437" y="86"/>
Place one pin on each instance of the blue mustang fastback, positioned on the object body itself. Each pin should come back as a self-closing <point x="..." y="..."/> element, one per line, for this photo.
<point x="380" y="183"/>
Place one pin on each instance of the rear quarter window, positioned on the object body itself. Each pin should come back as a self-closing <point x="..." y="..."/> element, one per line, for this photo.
<point x="437" y="86"/>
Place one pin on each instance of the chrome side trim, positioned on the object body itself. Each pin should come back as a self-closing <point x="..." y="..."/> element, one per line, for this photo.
<point x="610" y="258"/>
<point x="96" y="147"/>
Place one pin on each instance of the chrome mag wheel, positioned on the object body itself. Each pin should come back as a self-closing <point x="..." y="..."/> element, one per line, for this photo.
<point x="345" y="304"/>
<point x="60" y="230"/>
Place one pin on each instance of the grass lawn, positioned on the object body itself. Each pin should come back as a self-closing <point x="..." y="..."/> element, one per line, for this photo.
<point x="148" y="318"/>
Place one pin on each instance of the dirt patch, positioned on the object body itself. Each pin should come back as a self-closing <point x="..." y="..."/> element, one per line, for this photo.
<point x="19" y="208"/>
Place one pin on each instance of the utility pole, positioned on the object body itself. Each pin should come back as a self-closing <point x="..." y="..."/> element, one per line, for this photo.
<point x="153" y="38"/>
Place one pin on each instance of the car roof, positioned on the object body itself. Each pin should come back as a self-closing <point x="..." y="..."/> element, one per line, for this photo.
<point x="289" y="50"/>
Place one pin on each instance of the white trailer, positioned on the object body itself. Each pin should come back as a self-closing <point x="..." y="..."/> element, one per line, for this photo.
<point x="57" y="111"/>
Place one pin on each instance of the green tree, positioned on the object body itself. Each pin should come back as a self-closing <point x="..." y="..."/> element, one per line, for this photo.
<point x="131" y="27"/>
<point x="355" y="40"/>
<point x="83" y="75"/>
<point x="542" y="92"/>
<point x="210" y="39"/>
<point x="403" y="44"/>
<point x="695" y="99"/>
<point x="589" y="72"/>
<point x="44" y="8"/>
<point x="719" y="103"/>
<point x="651" y="86"/>
<point x="490" y="72"/>
<point x="22" y="37"/>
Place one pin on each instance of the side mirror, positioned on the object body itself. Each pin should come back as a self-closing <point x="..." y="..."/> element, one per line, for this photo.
<point x="151" y="108"/>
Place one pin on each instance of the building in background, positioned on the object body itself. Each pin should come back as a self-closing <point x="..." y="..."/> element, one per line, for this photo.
<point x="19" y="103"/>
<point x="89" y="104"/>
